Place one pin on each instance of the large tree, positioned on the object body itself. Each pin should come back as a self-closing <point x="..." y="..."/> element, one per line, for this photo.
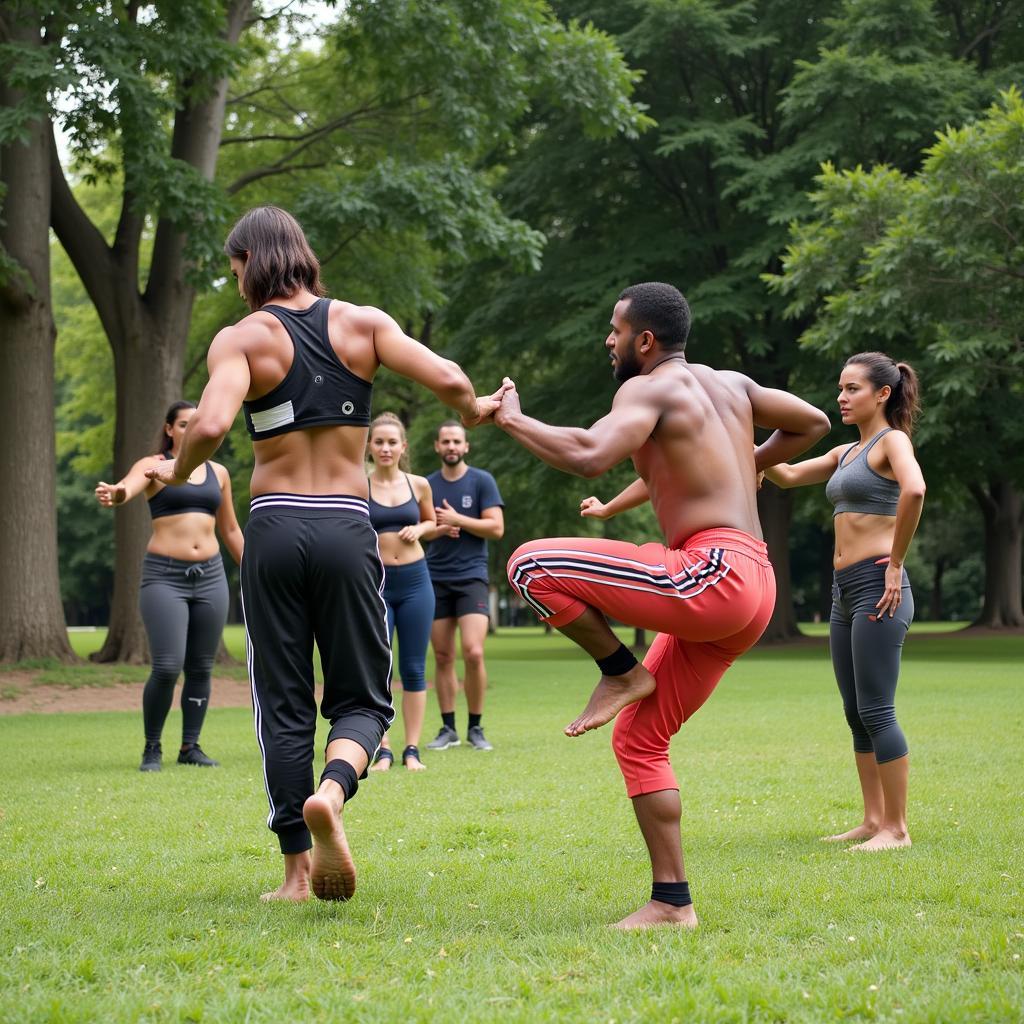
<point x="31" y="617"/>
<point x="932" y="263"/>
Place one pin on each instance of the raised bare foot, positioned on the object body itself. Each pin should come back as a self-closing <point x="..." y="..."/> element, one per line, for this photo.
<point x="658" y="915"/>
<point x="860" y="832"/>
<point x="333" y="874"/>
<point x="610" y="696"/>
<point x="884" y="839"/>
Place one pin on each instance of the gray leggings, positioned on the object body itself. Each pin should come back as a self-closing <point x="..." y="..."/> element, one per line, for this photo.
<point x="184" y="606"/>
<point x="866" y="657"/>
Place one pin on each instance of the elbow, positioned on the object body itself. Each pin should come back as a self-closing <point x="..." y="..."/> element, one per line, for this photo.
<point x="210" y="428"/>
<point x="454" y="381"/>
<point x="499" y="532"/>
<point x="822" y="425"/>
<point x="588" y="468"/>
<point x="916" y="493"/>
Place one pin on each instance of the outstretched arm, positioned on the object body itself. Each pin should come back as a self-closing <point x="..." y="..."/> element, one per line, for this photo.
<point x="797" y="424"/>
<point x="629" y="497"/>
<point x="587" y="453"/>
<point x="222" y="398"/>
<point x="398" y="352"/>
<point x="812" y="471"/>
<point x="132" y="484"/>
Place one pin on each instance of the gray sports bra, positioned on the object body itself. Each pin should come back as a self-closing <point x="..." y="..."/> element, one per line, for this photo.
<point x="856" y="487"/>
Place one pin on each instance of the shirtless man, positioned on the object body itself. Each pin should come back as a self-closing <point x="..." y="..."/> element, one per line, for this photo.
<point x="303" y="368"/>
<point x="708" y="591"/>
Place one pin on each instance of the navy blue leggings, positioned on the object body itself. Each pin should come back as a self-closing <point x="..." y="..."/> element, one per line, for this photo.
<point x="409" y="597"/>
<point x="866" y="651"/>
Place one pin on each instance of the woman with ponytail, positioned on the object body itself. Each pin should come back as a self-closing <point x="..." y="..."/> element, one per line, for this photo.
<point x="184" y="592"/>
<point x="402" y="513"/>
<point x="878" y="492"/>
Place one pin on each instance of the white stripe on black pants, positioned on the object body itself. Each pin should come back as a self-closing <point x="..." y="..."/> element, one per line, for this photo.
<point x="311" y="571"/>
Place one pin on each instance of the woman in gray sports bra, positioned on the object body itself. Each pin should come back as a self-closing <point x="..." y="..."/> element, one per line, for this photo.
<point x="878" y="491"/>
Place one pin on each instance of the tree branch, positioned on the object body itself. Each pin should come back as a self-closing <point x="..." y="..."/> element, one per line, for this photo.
<point x="268" y="172"/>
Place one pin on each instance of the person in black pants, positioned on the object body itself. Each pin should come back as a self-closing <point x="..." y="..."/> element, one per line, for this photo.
<point x="878" y="492"/>
<point x="184" y="593"/>
<point x="303" y="367"/>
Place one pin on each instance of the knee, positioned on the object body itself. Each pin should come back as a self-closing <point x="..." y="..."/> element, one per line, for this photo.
<point x="878" y="718"/>
<point x="165" y="671"/>
<point x="473" y="655"/>
<point x="444" y="656"/>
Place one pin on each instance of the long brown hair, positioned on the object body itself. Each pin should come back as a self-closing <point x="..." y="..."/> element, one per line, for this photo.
<point x="165" y="443"/>
<point x="903" y="405"/>
<point x="278" y="259"/>
<point x="391" y="420"/>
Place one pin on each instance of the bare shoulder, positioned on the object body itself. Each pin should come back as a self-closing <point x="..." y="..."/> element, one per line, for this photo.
<point x="420" y="487"/>
<point x="220" y="472"/>
<point x="350" y="317"/>
<point x="896" y="440"/>
<point x="254" y="328"/>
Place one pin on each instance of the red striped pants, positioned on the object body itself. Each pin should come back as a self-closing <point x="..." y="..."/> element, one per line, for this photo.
<point x="709" y="602"/>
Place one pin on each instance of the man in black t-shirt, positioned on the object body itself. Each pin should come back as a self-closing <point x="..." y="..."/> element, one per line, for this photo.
<point x="469" y="513"/>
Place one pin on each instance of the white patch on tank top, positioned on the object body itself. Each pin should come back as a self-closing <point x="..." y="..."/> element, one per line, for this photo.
<point x="270" y="419"/>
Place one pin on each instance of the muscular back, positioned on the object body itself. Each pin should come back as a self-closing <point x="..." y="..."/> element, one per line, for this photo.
<point x="317" y="460"/>
<point x="698" y="462"/>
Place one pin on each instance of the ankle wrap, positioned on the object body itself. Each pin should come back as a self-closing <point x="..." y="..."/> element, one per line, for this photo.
<point x="344" y="775"/>
<point x="675" y="894"/>
<point x="618" y="663"/>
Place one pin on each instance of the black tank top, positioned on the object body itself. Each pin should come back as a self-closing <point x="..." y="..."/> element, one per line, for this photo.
<point x="318" y="390"/>
<point x="392" y="518"/>
<point x="174" y="501"/>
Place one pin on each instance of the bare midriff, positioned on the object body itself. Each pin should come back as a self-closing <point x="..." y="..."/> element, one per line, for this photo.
<point x="317" y="460"/>
<point x="395" y="551"/>
<point x="861" y="535"/>
<point x="188" y="536"/>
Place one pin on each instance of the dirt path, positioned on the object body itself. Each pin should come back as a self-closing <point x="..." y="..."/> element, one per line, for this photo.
<point x="23" y="696"/>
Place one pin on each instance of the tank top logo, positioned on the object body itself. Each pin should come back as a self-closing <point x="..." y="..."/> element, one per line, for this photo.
<point x="318" y="379"/>
<point x="348" y="408"/>
<point x="467" y="501"/>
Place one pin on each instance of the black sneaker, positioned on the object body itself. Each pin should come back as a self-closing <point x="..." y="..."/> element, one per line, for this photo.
<point x="194" y="755"/>
<point x="477" y="740"/>
<point x="152" y="758"/>
<point x="444" y="739"/>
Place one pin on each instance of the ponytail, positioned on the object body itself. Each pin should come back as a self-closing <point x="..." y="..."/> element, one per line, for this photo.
<point x="165" y="444"/>
<point x="904" y="402"/>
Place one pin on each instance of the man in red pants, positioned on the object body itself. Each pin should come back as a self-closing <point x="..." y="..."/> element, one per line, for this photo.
<point x="709" y="590"/>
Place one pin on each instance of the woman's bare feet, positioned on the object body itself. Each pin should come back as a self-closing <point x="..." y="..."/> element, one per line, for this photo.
<point x="414" y="764"/>
<point x="863" y="831"/>
<point x="295" y="887"/>
<point x="333" y="872"/>
<point x="383" y="762"/>
<point x="610" y="696"/>
<point x="658" y="915"/>
<point x="884" y="839"/>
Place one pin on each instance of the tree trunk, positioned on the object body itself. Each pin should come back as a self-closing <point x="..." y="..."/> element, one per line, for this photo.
<point x="32" y="621"/>
<point x="775" y="508"/>
<point x="935" y="611"/>
<point x="639" y="639"/>
<point x="1001" y="507"/>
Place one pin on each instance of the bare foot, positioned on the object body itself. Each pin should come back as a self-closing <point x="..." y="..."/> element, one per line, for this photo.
<point x="383" y="764"/>
<point x="885" y="839"/>
<point x="414" y="764"/>
<point x="333" y="873"/>
<point x="610" y="696"/>
<point x="296" y="891"/>
<point x="860" y="832"/>
<point x="658" y="915"/>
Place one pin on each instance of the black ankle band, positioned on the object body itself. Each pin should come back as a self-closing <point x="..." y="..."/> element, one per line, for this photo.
<point x="618" y="663"/>
<point x="344" y="775"/>
<point x="675" y="894"/>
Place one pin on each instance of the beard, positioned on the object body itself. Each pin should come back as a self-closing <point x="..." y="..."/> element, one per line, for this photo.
<point x="451" y="458"/>
<point x="627" y="365"/>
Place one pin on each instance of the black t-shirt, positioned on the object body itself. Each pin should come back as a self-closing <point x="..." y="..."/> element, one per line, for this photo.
<point x="452" y="559"/>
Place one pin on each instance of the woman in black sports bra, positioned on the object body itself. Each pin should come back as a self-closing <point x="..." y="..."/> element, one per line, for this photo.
<point x="878" y="491"/>
<point x="184" y="593"/>
<point x="402" y="512"/>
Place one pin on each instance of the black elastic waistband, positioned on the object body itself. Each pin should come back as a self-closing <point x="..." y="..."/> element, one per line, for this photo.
<point x="311" y="505"/>
<point x="868" y="568"/>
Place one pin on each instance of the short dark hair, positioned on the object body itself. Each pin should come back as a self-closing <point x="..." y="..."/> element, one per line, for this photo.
<point x="661" y="309"/>
<point x="278" y="259"/>
<point x="449" y="423"/>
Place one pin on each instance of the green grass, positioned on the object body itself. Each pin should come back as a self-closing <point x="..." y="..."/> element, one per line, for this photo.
<point x="485" y="882"/>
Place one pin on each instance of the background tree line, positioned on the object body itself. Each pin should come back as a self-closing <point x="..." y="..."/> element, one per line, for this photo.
<point x="493" y="173"/>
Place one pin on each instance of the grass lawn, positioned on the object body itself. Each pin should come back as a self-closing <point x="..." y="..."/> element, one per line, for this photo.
<point x="486" y="881"/>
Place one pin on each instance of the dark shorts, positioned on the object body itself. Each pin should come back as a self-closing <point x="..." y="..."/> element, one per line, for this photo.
<point x="453" y="600"/>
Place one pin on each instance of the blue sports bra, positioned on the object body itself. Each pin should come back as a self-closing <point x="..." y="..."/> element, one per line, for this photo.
<point x="174" y="501"/>
<point x="318" y="390"/>
<point x="392" y="518"/>
<point x="856" y="487"/>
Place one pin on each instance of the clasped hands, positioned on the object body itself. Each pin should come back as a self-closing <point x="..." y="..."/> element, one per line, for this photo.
<point x="496" y="408"/>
